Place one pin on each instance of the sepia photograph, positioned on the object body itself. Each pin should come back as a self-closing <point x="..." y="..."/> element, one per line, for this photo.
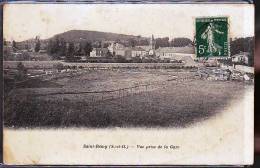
<point x="95" y="73"/>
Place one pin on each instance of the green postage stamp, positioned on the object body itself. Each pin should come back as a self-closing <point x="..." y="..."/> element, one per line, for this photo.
<point x="212" y="37"/>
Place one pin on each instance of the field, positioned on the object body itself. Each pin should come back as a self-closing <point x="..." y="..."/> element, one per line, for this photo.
<point x="50" y="65"/>
<point x="117" y="98"/>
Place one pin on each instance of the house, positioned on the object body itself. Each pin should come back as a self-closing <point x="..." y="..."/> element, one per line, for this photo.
<point x="149" y="50"/>
<point x="241" y="58"/>
<point x="119" y="52"/>
<point x="99" y="52"/>
<point x="127" y="52"/>
<point x="138" y="52"/>
<point x="116" y="49"/>
<point x="175" y="53"/>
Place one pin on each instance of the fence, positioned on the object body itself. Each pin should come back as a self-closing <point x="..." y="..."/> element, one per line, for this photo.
<point x="98" y="96"/>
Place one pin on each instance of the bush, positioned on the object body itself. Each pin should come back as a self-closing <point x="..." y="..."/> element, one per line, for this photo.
<point x="120" y="59"/>
<point x="58" y="66"/>
<point x="22" y="71"/>
<point x="66" y="67"/>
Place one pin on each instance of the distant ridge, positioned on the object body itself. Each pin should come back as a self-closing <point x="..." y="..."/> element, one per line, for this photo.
<point x="91" y="36"/>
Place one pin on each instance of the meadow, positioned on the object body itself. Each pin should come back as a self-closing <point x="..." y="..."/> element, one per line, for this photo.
<point x="51" y="64"/>
<point x="97" y="98"/>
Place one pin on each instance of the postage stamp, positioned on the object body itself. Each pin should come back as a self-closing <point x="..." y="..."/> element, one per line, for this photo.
<point x="212" y="37"/>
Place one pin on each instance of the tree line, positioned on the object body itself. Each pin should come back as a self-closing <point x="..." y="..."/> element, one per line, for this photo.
<point x="58" y="48"/>
<point x="162" y="42"/>
<point x="238" y="45"/>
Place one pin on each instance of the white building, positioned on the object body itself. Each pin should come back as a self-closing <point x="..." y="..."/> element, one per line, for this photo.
<point x="175" y="53"/>
<point x="242" y="57"/>
<point x="138" y="52"/>
<point x="116" y="49"/>
<point x="99" y="52"/>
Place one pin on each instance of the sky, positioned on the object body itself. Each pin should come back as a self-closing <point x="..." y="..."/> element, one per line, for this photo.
<point x="25" y="21"/>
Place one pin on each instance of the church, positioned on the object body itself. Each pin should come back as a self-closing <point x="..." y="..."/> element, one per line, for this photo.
<point x="150" y="49"/>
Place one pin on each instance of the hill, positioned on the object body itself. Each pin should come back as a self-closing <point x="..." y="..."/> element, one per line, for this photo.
<point x="92" y="36"/>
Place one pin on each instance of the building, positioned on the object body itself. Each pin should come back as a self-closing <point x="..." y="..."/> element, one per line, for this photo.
<point x="138" y="52"/>
<point x="241" y="58"/>
<point x="150" y="49"/>
<point x="119" y="52"/>
<point x="116" y="49"/>
<point x="99" y="52"/>
<point x="174" y="53"/>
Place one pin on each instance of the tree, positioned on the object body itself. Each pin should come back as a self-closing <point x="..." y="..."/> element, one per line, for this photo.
<point x="79" y="50"/>
<point x="120" y="59"/>
<point x="105" y="45"/>
<point x="14" y="44"/>
<point x="132" y="42"/>
<point x="162" y="42"/>
<point x="87" y="48"/>
<point x="22" y="71"/>
<point x="57" y="48"/>
<point x="7" y="54"/>
<point x="70" y="52"/>
<point x="5" y="42"/>
<point x="27" y="47"/>
<point x="57" y="44"/>
<point x="62" y="47"/>
<point x="52" y="49"/>
<point x="243" y="45"/>
<point x="136" y="60"/>
<point x="58" y="66"/>
<point x="143" y="42"/>
<point x="180" y="42"/>
<point x="37" y="44"/>
<point x="109" y="55"/>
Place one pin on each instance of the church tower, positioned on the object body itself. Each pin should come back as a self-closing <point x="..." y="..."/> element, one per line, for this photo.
<point x="152" y="47"/>
<point x="152" y="43"/>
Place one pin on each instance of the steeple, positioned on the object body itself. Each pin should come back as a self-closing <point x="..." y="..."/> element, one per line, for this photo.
<point x="152" y="47"/>
<point x="152" y="43"/>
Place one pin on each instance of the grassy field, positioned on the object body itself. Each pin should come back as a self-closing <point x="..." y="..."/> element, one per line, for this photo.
<point x="50" y="64"/>
<point x="118" y="98"/>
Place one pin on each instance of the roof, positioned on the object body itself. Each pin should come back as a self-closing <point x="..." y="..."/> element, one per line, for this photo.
<point x="137" y="49"/>
<point x="145" y="47"/>
<point x="241" y="54"/>
<point x="101" y="49"/>
<point x="127" y="48"/>
<point x="186" y="50"/>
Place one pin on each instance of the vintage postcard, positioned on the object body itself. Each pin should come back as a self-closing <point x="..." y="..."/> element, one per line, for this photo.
<point x="128" y="84"/>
